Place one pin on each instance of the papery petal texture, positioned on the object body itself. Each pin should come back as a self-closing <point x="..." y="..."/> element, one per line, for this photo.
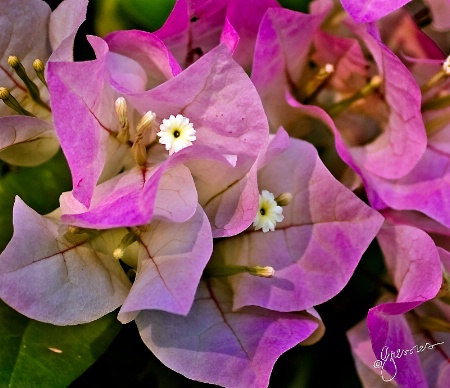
<point x="26" y="141"/>
<point x="148" y="51"/>
<point x="193" y="28"/>
<point x="364" y="11"/>
<point x="172" y="257"/>
<point x="404" y="140"/>
<point x="277" y="65"/>
<point x="424" y="189"/>
<point x="245" y="17"/>
<point x="63" y="25"/>
<point x="317" y="246"/>
<point x="83" y="110"/>
<point x="372" y="370"/>
<point x="30" y="31"/>
<point x="420" y="357"/>
<point x="24" y="34"/>
<point x="134" y="197"/>
<point x="281" y="75"/>
<point x="50" y="278"/>
<point x="78" y="107"/>
<point x="217" y="96"/>
<point x="409" y="254"/>
<point x="213" y="344"/>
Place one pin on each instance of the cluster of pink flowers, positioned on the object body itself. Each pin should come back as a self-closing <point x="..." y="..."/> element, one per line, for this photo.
<point x="201" y="205"/>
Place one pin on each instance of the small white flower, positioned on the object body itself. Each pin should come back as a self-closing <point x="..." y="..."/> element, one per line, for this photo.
<point x="269" y="213"/>
<point x="176" y="133"/>
<point x="446" y="66"/>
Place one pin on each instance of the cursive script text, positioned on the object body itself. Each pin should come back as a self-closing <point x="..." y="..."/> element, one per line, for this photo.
<point x="389" y="356"/>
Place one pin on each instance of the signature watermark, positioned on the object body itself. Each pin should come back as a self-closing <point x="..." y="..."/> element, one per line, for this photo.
<point x="389" y="356"/>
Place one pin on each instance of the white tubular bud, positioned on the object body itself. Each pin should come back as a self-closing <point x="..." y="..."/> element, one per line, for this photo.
<point x="264" y="272"/>
<point x="121" y="111"/>
<point x="284" y="199"/>
<point x="145" y="123"/>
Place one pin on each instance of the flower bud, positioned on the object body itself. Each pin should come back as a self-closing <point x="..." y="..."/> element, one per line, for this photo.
<point x="145" y="123"/>
<point x="121" y="111"/>
<point x="38" y="65"/>
<point x="13" y="61"/>
<point x="264" y="272"/>
<point x="284" y="199"/>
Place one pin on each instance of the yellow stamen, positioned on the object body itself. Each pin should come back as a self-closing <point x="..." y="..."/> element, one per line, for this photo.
<point x="32" y="88"/>
<point x="10" y="101"/>
<point x="39" y="67"/>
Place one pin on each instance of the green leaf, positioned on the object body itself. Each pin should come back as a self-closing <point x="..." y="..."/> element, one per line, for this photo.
<point x="35" y="354"/>
<point x="108" y="17"/>
<point x="296" y="5"/>
<point x="40" y="187"/>
<point x="151" y="15"/>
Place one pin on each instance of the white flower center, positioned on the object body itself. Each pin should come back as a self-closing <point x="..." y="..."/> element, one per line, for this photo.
<point x="269" y="213"/>
<point x="176" y="133"/>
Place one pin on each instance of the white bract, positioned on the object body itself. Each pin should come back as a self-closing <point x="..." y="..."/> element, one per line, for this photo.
<point x="176" y="133"/>
<point x="269" y="213"/>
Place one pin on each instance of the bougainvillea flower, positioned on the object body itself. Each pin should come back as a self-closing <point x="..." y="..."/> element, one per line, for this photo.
<point x="386" y="138"/>
<point x="73" y="275"/>
<point x="409" y="253"/>
<point x="314" y="249"/>
<point x="84" y="111"/>
<point x="244" y="333"/>
<point x="220" y="101"/>
<point x="218" y="345"/>
<point x="31" y="31"/>
<point x="425" y="188"/>
<point x="194" y="28"/>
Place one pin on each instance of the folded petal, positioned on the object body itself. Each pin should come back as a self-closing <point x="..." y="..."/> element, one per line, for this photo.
<point x="172" y="257"/>
<point x="317" y="246"/>
<point x="26" y="141"/>
<point x="134" y="197"/>
<point x="53" y="279"/>
<point x="213" y="344"/>
<point x="409" y="254"/>
<point x="63" y="25"/>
